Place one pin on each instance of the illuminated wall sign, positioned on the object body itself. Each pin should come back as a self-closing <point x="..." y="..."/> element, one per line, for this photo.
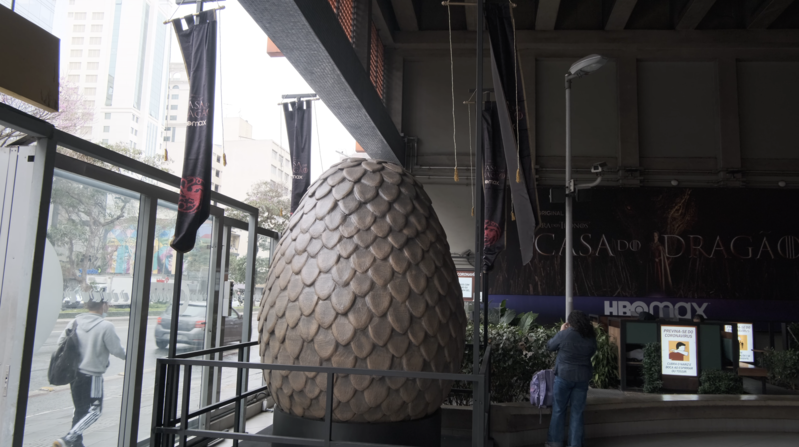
<point x="679" y="350"/>
<point x="746" y="342"/>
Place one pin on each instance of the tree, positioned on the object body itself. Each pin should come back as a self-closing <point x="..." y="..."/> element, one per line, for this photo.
<point x="273" y="203"/>
<point x="73" y="115"/>
<point x="83" y="217"/>
<point x="126" y="150"/>
<point x="92" y="229"/>
<point x="238" y="269"/>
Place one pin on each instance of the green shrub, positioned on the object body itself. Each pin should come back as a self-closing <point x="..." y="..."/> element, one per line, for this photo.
<point x="782" y="367"/>
<point x="652" y="382"/>
<point x="605" y="362"/>
<point x="515" y="357"/>
<point x="720" y="382"/>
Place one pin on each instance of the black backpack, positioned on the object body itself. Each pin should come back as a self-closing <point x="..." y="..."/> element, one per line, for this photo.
<point x="65" y="360"/>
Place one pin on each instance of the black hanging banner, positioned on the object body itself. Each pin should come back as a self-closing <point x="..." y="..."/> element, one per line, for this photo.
<point x="509" y="91"/>
<point x="494" y="176"/>
<point x="298" y="126"/>
<point x="198" y="46"/>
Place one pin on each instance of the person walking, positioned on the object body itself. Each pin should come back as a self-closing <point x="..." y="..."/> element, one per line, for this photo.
<point x="97" y="339"/>
<point x="575" y="344"/>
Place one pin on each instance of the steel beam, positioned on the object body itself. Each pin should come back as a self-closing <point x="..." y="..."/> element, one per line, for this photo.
<point x="405" y="12"/>
<point x="582" y="42"/>
<point x="693" y="13"/>
<point x="310" y="36"/>
<point x="619" y="14"/>
<point x="137" y="330"/>
<point x="767" y="13"/>
<point x="547" y="15"/>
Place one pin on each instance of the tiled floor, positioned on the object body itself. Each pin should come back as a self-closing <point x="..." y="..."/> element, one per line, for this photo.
<point x="254" y="425"/>
<point x="701" y="440"/>
<point x="682" y="440"/>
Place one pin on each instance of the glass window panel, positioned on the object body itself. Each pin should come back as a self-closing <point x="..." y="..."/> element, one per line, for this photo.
<point x="263" y="260"/>
<point x="193" y="330"/>
<point x="90" y="256"/>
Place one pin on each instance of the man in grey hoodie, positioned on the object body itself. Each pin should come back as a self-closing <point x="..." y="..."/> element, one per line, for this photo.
<point x="97" y="339"/>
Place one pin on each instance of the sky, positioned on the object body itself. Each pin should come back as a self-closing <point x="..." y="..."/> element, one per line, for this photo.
<point x="252" y="83"/>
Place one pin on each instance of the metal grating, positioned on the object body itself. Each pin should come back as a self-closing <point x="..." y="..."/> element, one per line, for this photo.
<point x="376" y="61"/>
<point x="344" y="14"/>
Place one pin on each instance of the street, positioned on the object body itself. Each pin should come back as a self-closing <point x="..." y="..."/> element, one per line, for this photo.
<point x="49" y="412"/>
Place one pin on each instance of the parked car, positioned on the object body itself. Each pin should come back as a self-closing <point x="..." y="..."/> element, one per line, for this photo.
<point x="191" y="327"/>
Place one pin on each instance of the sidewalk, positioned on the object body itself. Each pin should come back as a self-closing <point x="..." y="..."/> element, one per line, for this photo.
<point x="50" y="412"/>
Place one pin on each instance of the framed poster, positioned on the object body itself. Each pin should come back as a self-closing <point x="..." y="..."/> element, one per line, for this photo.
<point x="679" y="350"/>
<point x="466" y="280"/>
<point x="746" y="342"/>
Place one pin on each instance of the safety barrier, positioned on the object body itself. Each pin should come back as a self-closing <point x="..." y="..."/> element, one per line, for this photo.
<point x="167" y="425"/>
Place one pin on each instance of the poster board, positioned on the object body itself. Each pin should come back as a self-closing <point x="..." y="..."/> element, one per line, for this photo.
<point x="679" y="346"/>
<point x="746" y="342"/>
<point x="466" y="281"/>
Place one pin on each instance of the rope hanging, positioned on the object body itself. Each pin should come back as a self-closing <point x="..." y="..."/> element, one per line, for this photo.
<point x="471" y="160"/>
<point x="166" y="152"/>
<point x="280" y="127"/>
<point x="318" y="142"/>
<point x="452" y="85"/>
<point x="221" y="90"/>
<point x="516" y="83"/>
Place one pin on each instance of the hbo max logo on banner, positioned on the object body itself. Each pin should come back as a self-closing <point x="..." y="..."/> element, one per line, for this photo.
<point x="660" y="309"/>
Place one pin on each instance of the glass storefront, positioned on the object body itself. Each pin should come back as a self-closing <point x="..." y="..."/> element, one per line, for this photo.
<point x="91" y="241"/>
<point x="91" y="258"/>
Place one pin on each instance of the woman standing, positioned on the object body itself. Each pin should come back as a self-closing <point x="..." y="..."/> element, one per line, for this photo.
<point x="576" y="344"/>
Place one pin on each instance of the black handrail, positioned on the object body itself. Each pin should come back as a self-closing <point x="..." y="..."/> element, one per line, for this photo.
<point x="165" y="424"/>
<point x="188" y="355"/>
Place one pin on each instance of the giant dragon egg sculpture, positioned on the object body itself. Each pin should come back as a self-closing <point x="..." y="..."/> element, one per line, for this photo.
<point x="362" y="278"/>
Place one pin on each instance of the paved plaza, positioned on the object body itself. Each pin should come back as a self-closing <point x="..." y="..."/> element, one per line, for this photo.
<point x="49" y="413"/>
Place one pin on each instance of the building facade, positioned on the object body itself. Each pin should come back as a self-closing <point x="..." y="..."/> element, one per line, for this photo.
<point x="116" y="52"/>
<point x="40" y="12"/>
<point x="251" y="160"/>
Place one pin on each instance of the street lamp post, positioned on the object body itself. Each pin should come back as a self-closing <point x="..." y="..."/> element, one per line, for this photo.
<point x="579" y="69"/>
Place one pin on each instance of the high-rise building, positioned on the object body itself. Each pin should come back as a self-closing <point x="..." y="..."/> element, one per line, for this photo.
<point x="40" y="12"/>
<point x="117" y="53"/>
<point x="251" y="160"/>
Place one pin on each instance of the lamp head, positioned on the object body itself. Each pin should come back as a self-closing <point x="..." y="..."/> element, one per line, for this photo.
<point x="587" y="65"/>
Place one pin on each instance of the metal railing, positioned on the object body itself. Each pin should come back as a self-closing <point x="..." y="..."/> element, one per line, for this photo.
<point x="167" y="425"/>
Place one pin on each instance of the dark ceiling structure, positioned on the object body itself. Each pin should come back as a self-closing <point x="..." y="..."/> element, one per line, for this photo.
<point x="608" y="15"/>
